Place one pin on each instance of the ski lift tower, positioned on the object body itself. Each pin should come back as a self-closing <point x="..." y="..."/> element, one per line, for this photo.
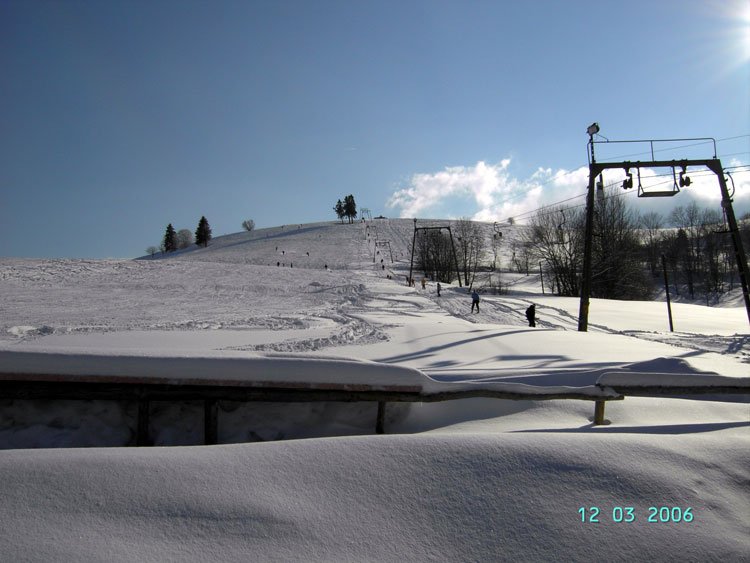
<point x="414" y="242"/>
<point x="596" y="169"/>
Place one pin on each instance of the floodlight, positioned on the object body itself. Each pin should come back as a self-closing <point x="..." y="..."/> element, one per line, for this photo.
<point x="593" y="129"/>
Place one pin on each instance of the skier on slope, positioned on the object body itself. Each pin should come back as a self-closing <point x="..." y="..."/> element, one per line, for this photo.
<point x="531" y="315"/>
<point x="474" y="301"/>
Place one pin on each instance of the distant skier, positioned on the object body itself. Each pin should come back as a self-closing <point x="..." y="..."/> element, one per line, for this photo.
<point x="474" y="301"/>
<point x="423" y="283"/>
<point x="438" y="289"/>
<point x="531" y="315"/>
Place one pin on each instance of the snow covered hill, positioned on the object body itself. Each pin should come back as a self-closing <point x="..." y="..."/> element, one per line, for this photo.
<point x="470" y="480"/>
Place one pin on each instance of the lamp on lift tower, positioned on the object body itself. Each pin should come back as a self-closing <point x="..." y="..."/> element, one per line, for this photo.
<point x="593" y="129"/>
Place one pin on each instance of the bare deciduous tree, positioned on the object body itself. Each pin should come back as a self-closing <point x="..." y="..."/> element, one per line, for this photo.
<point x="184" y="238"/>
<point x="470" y="242"/>
<point x="652" y="224"/>
<point x="435" y="255"/>
<point x="556" y="234"/>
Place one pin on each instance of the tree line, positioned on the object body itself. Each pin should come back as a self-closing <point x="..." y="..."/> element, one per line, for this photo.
<point x="630" y="251"/>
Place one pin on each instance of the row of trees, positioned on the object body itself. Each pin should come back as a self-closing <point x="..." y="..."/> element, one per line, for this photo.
<point x="346" y="209"/>
<point x="178" y="240"/>
<point x="698" y="250"/>
<point x="627" y="250"/>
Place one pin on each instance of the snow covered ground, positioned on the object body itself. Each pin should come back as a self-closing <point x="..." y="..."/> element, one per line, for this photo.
<point x="470" y="480"/>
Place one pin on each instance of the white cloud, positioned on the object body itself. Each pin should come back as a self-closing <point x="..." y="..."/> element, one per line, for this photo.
<point x="482" y="182"/>
<point x="493" y="194"/>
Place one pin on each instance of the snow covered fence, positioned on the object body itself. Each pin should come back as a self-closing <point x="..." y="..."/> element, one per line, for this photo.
<point x="649" y="384"/>
<point x="243" y="377"/>
<point x="231" y="376"/>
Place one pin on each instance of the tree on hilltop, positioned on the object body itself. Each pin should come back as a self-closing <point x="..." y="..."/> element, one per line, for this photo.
<point x="203" y="233"/>
<point x="248" y="225"/>
<point x="339" y="209"/>
<point x="170" y="239"/>
<point x="184" y="238"/>
<point x="350" y="208"/>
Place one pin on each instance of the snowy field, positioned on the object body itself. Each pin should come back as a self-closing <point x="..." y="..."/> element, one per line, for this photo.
<point x="469" y="480"/>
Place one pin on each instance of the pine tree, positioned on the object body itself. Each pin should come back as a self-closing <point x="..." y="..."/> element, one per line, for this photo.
<point x="202" y="233"/>
<point x="339" y="209"/>
<point x="170" y="239"/>
<point x="350" y="208"/>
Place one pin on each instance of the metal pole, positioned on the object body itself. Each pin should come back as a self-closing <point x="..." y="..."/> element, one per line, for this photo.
<point x="413" y="244"/>
<point x="726" y="203"/>
<point x="666" y="285"/>
<point x="455" y="258"/>
<point x="583" y="311"/>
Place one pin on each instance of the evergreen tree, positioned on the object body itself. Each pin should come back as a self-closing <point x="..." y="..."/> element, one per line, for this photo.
<point x="350" y="208"/>
<point x="202" y="233"/>
<point x="170" y="239"/>
<point x="339" y="209"/>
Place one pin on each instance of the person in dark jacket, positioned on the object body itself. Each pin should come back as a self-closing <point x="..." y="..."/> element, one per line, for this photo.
<point x="474" y="301"/>
<point x="531" y="315"/>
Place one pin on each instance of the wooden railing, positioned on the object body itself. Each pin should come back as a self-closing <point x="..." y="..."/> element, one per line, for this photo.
<point x="138" y="379"/>
<point x="638" y="384"/>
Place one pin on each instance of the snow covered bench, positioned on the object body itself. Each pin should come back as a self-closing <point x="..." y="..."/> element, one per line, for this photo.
<point x="644" y="384"/>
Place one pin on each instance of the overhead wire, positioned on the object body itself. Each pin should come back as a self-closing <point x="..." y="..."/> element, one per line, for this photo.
<point x="558" y="203"/>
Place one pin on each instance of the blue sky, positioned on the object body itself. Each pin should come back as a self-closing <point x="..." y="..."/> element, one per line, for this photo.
<point x="120" y="117"/>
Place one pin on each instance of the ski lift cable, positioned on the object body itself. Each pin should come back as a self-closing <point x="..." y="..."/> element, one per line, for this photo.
<point x="624" y="193"/>
<point x="557" y="203"/>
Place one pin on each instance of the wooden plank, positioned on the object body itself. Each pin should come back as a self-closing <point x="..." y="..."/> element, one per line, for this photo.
<point x="380" y="423"/>
<point x="659" y="390"/>
<point x="210" y="422"/>
<point x="599" y="412"/>
<point x="197" y="382"/>
<point x="479" y="392"/>
<point x="144" y="407"/>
